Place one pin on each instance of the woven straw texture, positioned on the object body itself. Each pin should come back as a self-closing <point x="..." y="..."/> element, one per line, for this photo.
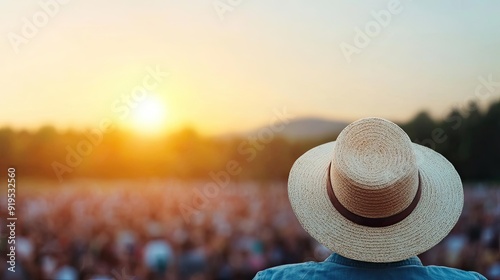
<point x="374" y="173"/>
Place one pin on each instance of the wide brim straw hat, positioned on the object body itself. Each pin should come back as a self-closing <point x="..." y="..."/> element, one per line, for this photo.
<point x="373" y="195"/>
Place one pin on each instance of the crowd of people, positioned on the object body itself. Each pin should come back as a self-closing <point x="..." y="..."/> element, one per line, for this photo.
<point x="164" y="230"/>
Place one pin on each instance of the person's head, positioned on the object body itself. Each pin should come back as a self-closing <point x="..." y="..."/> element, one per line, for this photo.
<point x="373" y="195"/>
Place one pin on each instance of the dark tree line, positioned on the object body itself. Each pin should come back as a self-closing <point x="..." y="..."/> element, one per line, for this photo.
<point x="469" y="139"/>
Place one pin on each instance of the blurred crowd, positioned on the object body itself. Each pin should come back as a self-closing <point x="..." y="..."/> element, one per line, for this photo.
<point x="169" y="230"/>
<point x="474" y="243"/>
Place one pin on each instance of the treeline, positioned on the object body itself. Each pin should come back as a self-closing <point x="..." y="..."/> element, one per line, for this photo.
<point x="470" y="139"/>
<point x="185" y="155"/>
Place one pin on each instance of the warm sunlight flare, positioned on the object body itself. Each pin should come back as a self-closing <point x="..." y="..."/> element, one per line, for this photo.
<point x="149" y="117"/>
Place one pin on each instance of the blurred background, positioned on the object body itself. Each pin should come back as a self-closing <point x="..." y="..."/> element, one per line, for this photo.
<point x="153" y="140"/>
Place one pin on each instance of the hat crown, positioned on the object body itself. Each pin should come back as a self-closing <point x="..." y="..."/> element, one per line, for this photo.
<point x="374" y="171"/>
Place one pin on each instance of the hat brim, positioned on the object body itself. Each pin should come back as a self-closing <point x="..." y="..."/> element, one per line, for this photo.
<point x="433" y="218"/>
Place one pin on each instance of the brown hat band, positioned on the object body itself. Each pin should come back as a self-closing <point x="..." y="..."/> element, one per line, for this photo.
<point x="372" y="222"/>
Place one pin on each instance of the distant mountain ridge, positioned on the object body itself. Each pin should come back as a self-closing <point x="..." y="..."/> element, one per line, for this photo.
<point x="308" y="128"/>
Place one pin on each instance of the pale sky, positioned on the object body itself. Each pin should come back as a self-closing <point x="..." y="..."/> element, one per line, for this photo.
<point x="230" y="74"/>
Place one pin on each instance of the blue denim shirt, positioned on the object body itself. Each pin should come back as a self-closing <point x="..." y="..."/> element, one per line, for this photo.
<point x="338" y="267"/>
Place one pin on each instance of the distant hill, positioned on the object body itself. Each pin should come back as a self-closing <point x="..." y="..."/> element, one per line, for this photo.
<point x="309" y="128"/>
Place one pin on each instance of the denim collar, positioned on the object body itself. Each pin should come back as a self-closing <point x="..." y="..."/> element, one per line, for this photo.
<point x="336" y="258"/>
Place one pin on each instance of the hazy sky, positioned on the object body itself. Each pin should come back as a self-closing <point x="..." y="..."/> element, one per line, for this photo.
<point x="231" y="73"/>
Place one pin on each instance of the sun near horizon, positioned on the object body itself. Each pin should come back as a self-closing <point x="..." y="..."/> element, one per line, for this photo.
<point x="149" y="118"/>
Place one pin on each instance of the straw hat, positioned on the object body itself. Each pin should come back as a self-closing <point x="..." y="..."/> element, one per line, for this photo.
<point x="375" y="196"/>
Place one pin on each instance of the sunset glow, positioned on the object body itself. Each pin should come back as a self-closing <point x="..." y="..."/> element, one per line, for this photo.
<point x="229" y="70"/>
<point x="149" y="117"/>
